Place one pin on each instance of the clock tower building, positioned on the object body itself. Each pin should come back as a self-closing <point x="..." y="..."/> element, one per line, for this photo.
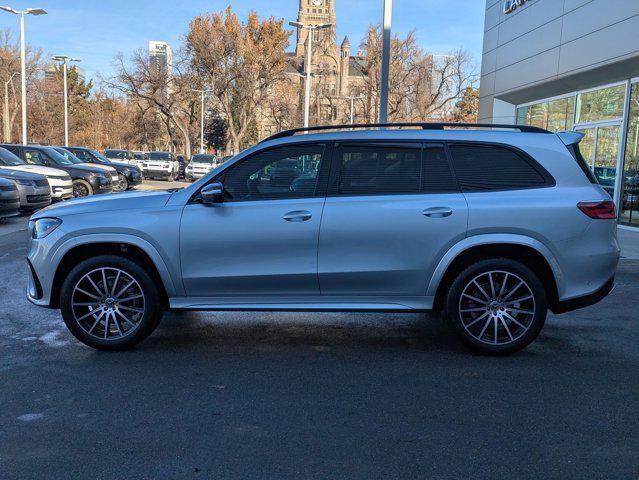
<point x="315" y="12"/>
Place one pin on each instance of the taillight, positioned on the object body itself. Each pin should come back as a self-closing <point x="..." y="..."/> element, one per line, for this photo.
<point x="604" y="210"/>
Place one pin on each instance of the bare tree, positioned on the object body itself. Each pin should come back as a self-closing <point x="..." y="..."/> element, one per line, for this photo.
<point x="170" y="95"/>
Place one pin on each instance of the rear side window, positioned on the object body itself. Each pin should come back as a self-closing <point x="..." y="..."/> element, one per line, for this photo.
<point x="437" y="176"/>
<point x="488" y="167"/>
<point x="581" y="161"/>
<point x="379" y="170"/>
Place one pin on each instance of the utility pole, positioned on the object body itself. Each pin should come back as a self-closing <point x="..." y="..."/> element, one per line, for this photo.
<point x="202" y="92"/>
<point x="386" y="46"/>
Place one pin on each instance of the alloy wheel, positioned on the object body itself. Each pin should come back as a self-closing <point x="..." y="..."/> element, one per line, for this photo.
<point x="497" y="307"/>
<point x="80" y="190"/>
<point x="108" y="303"/>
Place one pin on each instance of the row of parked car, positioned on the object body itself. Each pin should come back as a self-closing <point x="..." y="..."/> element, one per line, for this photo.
<point x="32" y="176"/>
<point x="167" y="166"/>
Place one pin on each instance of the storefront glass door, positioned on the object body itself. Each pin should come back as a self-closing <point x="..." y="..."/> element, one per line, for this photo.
<point x="600" y="147"/>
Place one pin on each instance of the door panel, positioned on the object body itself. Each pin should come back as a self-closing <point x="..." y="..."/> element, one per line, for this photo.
<point x="263" y="239"/>
<point x="392" y="212"/>
<point x="250" y="248"/>
<point x="386" y="245"/>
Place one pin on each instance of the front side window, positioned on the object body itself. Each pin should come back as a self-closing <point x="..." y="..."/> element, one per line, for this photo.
<point x="278" y="173"/>
<point x="487" y="167"/>
<point x="34" y="157"/>
<point x="379" y="170"/>
<point x="82" y="155"/>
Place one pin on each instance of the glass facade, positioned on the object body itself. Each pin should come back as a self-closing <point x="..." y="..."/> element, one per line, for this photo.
<point x="554" y="115"/>
<point x="599" y="115"/>
<point x="629" y="205"/>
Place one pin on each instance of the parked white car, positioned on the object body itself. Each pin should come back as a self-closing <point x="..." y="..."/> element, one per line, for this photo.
<point x="199" y="166"/>
<point x="59" y="180"/>
<point x="161" y="165"/>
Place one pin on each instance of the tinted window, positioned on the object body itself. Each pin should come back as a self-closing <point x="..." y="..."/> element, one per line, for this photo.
<point x="437" y="175"/>
<point x="486" y="167"/>
<point x="379" y="170"/>
<point x="117" y="154"/>
<point x="201" y="158"/>
<point x="82" y="155"/>
<point x="160" y="156"/>
<point x="286" y="172"/>
<point x="9" y="159"/>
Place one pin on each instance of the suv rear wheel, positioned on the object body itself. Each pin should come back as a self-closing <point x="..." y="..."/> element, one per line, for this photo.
<point x="110" y="303"/>
<point x="497" y="306"/>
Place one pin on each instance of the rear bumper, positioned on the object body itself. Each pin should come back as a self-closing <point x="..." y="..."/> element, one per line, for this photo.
<point x="585" y="300"/>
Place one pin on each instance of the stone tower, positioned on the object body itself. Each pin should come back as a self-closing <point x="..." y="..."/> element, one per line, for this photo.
<point x="344" y="62"/>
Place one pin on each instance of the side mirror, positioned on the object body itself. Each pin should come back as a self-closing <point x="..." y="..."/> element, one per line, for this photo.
<point x="212" y="193"/>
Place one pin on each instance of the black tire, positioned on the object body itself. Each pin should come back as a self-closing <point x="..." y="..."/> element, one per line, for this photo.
<point x="82" y="188"/>
<point x="498" y="313"/>
<point x="124" y="183"/>
<point x="153" y="303"/>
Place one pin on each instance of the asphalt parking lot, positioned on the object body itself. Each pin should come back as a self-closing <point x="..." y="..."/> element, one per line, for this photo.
<point x="254" y="395"/>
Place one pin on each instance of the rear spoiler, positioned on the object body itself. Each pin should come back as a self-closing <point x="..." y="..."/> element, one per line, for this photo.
<point x="570" y="138"/>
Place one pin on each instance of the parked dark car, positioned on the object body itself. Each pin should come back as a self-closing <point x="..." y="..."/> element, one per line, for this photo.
<point x="129" y="175"/>
<point x="33" y="188"/>
<point x="87" y="180"/>
<point x="9" y="199"/>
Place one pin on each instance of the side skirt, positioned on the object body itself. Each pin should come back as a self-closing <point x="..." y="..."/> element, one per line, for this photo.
<point x="304" y="304"/>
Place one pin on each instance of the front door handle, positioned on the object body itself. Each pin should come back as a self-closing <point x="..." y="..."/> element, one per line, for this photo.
<point x="297" y="216"/>
<point x="438" y="212"/>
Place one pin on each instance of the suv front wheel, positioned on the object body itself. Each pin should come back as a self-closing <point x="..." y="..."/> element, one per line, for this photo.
<point x="497" y="306"/>
<point x="110" y="303"/>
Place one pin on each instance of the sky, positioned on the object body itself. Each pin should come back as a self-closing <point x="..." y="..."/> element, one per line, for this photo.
<point x="97" y="30"/>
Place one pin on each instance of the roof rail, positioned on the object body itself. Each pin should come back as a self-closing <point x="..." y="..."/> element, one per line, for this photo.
<point x="423" y="126"/>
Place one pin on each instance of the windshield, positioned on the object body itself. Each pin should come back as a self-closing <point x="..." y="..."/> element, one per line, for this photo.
<point x="201" y="158"/>
<point x="140" y="156"/>
<point x="56" y="157"/>
<point x="68" y="155"/>
<point x="8" y="159"/>
<point x="99" y="157"/>
<point x="117" y="154"/>
<point x="160" y="156"/>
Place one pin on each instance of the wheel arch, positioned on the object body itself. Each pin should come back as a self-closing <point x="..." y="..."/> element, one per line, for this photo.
<point x="526" y="250"/>
<point x="134" y="248"/>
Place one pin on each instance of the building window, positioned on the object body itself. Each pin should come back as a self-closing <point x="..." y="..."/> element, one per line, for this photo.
<point x="602" y="104"/>
<point x="554" y="115"/>
<point x="629" y="208"/>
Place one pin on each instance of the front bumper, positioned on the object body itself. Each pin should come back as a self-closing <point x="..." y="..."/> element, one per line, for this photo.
<point x="32" y="198"/>
<point x="149" y="173"/>
<point x="61" y="191"/>
<point x="9" y="204"/>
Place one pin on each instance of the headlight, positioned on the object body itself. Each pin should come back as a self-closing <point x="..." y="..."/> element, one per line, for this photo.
<point x="42" y="227"/>
<point x="29" y="183"/>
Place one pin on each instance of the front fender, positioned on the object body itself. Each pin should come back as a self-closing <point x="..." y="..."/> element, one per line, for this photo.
<point x="491" y="239"/>
<point x="46" y="263"/>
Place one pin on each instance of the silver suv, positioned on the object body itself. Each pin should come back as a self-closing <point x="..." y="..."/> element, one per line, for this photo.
<point x="493" y="225"/>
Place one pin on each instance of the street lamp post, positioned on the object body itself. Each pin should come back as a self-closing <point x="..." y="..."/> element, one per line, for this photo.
<point x="202" y="92"/>
<point x="352" y="99"/>
<point x="64" y="59"/>
<point x="5" y="110"/>
<point x="386" y="46"/>
<point x="309" y="57"/>
<point x="23" y="67"/>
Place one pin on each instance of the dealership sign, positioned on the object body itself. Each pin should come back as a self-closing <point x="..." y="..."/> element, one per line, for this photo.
<point x="511" y="5"/>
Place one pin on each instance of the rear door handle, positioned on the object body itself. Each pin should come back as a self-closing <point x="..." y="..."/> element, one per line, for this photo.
<point x="438" y="212"/>
<point x="297" y="216"/>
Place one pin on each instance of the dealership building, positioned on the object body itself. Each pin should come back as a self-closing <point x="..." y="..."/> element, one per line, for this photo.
<point x="570" y="65"/>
